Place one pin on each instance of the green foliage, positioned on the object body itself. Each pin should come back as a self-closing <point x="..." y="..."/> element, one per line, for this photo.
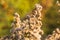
<point x="23" y="6"/>
<point x="51" y="20"/>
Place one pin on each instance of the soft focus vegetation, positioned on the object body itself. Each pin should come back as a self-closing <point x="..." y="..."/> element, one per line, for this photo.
<point x="50" y="13"/>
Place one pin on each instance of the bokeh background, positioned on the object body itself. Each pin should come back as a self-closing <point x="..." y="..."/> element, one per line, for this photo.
<point x="50" y="19"/>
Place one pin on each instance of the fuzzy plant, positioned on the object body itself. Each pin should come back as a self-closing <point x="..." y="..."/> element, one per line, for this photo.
<point x="16" y="31"/>
<point x="55" y="35"/>
<point x="28" y="29"/>
<point x="16" y="23"/>
<point x="58" y="3"/>
<point x="35" y="22"/>
<point x="31" y="25"/>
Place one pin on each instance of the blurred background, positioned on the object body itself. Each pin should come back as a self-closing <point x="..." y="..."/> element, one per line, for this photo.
<point x="50" y="13"/>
